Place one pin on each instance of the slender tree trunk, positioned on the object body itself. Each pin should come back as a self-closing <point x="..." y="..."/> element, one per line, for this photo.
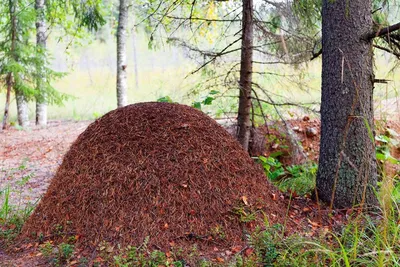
<point x="347" y="171"/>
<point x="41" y="102"/>
<point x="7" y="105"/>
<point x="246" y="68"/>
<point x="22" y="105"/>
<point x="122" y="84"/>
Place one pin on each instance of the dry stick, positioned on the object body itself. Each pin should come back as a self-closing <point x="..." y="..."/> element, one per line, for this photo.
<point x="294" y="104"/>
<point x="231" y="70"/>
<point x="291" y="134"/>
<point x="384" y="31"/>
<point x="222" y="52"/>
<point x="252" y="116"/>
<point x="150" y="15"/>
<point x="261" y="109"/>
<point x="173" y="6"/>
<point x="387" y="50"/>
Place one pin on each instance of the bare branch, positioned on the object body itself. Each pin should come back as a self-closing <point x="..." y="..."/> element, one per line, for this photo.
<point x="222" y="52"/>
<point x="298" y="149"/>
<point x="202" y="19"/>
<point x="384" y="31"/>
<point x="388" y="50"/>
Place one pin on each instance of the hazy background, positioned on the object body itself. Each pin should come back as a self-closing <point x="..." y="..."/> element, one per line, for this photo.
<point x="164" y="71"/>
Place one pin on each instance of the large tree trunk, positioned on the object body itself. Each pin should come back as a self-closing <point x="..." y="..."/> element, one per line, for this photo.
<point x="122" y="84"/>
<point x="41" y="103"/>
<point x="347" y="166"/>
<point x="246" y="68"/>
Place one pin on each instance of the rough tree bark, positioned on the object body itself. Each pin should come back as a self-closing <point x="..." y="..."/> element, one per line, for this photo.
<point x="122" y="84"/>
<point x="347" y="170"/>
<point x="245" y="81"/>
<point x="41" y="103"/>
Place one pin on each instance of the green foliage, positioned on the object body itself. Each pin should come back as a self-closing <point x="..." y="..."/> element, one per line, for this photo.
<point x="57" y="255"/>
<point x="385" y="143"/>
<point x="206" y="100"/>
<point x="140" y="256"/>
<point x="298" y="179"/>
<point x="165" y="99"/>
<point x="263" y="241"/>
<point x="46" y="249"/>
<point x="27" y="64"/>
<point x="76" y="16"/>
<point x="12" y="217"/>
<point x="309" y="11"/>
<point x="65" y="251"/>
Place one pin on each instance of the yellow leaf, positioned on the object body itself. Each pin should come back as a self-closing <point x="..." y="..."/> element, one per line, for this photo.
<point x="244" y="199"/>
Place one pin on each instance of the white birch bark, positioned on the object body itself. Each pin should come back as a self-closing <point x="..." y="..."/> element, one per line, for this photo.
<point x="122" y="83"/>
<point x="22" y="108"/>
<point x="41" y="102"/>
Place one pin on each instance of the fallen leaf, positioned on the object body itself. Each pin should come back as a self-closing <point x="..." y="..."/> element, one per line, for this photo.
<point x="248" y="252"/>
<point x="218" y="259"/>
<point x="236" y="249"/>
<point x="98" y="259"/>
<point x="244" y="199"/>
<point x="314" y="224"/>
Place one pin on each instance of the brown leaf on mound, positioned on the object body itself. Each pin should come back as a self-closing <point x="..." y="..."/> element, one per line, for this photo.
<point x="137" y="170"/>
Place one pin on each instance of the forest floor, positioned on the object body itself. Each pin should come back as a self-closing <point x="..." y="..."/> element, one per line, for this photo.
<point x="30" y="158"/>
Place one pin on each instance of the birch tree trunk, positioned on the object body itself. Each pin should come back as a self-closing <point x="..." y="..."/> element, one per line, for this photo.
<point x="41" y="102"/>
<point x="22" y="109"/>
<point x="246" y="68"/>
<point x="122" y="84"/>
<point x="347" y="173"/>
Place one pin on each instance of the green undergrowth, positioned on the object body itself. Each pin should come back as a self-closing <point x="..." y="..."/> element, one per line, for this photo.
<point x="13" y="217"/>
<point x="295" y="179"/>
